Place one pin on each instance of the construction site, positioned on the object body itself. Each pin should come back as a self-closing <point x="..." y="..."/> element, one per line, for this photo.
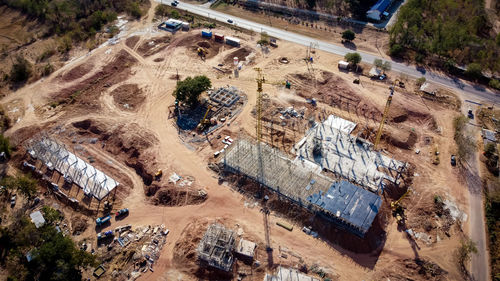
<point x="284" y="169"/>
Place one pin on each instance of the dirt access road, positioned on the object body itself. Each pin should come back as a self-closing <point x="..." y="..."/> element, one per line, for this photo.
<point x="153" y="75"/>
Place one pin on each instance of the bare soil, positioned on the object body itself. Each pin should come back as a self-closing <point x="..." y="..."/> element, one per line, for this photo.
<point x="129" y="142"/>
<point x="77" y="72"/>
<point x="132" y="41"/>
<point x="84" y="96"/>
<point x="128" y="96"/>
<point x="241" y="54"/>
<point x="154" y="46"/>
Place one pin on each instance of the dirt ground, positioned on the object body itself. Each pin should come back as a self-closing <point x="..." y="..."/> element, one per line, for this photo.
<point x="138" y="142"/>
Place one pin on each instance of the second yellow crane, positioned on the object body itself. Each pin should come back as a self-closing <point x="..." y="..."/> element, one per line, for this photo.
<point x="384" y="116"/>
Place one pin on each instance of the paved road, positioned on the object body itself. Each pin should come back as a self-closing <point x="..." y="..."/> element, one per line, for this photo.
<point x="468" y="91"/>
<point x="479" y="262"/>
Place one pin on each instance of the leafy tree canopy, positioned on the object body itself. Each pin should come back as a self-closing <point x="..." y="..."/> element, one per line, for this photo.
<point x="353" y="58"/>
<point x="348" y="35"/>
<point x="190" y="89"/>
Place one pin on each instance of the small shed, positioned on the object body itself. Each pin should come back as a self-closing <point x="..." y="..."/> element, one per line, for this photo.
<point x="246" y="248"/>
<point x="429" y="89"/>
<point x="343" y="65"/>
<point x="37" y="219"/>
<point x="377" y="11"/>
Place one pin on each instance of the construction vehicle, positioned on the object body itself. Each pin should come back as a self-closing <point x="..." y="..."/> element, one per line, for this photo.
<point x="158" y="174"/>
<point x="205" y="121"/>
<point x="397" y="208"/>
<point x="106" y="234"/>
<point x="102" y="220"/>
<point x="202" y="52"/>
<point x="384" y="116"/>
<point x="121" y="212"/>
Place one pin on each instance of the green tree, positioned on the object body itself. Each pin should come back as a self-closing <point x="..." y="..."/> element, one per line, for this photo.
<point x="353" y="58"/>
<point x="175" y="14"/>
<point x="5" y="145"/>
<point x="395" y="50"/>
<point x="420" y="81"/>
<point x="26" y="185"/>
<point x="386" y="66"/>
<point x="348" y="35"/>
<point x="190" y="89"/>
<point x="21" y="70"/>
<point x="474" y="71"/>
<point x="51" y="215"/>
<point x="494" y="83"/>
<point x="378" y="63"/>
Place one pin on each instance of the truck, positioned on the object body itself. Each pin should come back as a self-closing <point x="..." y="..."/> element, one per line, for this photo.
<point x="102" y="220"/>
<point x="106" y="234"/>
<point x="122" y="212"/>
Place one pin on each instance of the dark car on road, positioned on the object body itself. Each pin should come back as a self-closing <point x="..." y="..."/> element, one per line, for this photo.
<point x="453" y="160"/>
<point x="230" y="21"/>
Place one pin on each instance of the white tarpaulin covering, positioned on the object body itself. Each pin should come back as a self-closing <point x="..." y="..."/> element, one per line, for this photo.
<point x="56" y="156"/>
<point x="340" y="124"/>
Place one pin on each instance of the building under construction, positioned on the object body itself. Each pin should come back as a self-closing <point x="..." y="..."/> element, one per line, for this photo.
<point x="216" y="247"/>
<point x="301" y="179"/>
<point x="55" y="155"/>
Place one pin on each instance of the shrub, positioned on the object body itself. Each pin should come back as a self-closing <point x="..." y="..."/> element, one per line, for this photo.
<point x="395" y="50"/>
<point x="47" y="69"/>
<point x="474" y="71"/>
<point x="494" y="83"/>
<point x="21" y="70"/>
<point x="420" y="81"/>
<point x="348" y="35"/>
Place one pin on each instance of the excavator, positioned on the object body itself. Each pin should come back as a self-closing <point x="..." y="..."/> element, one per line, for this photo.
<point x="205" y="121"/>
<point x="398" y="209"/>
<point x="202" y="52"/>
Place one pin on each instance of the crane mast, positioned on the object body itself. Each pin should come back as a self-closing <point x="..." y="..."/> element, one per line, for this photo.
<point x="384" y="116"/>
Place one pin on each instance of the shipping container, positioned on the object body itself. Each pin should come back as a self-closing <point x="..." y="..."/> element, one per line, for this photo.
<point x="285" y="225"/>
<point x="206" y="33"/>
<point x="233" y="41"/>
<point x="219" y="37"/>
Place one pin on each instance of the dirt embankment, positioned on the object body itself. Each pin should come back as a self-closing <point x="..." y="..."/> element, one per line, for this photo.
<point x="77" y="72"/>
<point x="172" y="195"/>
<point x="333" y="90"/>
<point x="153" y="46"/>
<point x="128" y="142"/>
<point x="85" y="95"/>
<point x="241" y="54"/>
<point x="128" y="97"/>
<point x="132" y="41"/>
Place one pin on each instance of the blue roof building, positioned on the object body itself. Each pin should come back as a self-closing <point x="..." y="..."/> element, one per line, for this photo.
<point x="350" y="207"/>
<point x="376" y="12"/>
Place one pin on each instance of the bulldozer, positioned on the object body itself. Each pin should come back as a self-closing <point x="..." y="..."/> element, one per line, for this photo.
<point x="202" y="52"/>
<point x="398" y="210"/>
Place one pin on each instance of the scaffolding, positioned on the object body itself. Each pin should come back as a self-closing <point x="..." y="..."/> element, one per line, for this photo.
<point x="301" y="181"/>
<point x="216" y="247"/>
<point x="55" y="156"/>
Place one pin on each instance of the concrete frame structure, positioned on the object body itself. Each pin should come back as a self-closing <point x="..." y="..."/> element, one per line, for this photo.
<point x="225" y="96"/>
<point x="348" y="156"/>
<point x="246" y="248"/>
<point x="300" y="180"/>
<point x="54" y="155"/>
<point x="216" y="247"/>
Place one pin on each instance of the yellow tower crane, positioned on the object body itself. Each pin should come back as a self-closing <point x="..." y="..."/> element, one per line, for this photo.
<point x="384" y="116"/>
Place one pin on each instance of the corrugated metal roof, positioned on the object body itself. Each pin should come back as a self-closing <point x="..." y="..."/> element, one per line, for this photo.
<point x="381" y="5"/>
<point x="349" y="203"/>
